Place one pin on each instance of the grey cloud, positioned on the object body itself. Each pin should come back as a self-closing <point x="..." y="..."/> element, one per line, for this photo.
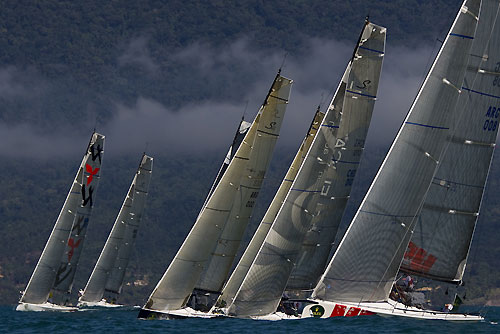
<point x="137" y="53"/>
<point x="210" y="124"/>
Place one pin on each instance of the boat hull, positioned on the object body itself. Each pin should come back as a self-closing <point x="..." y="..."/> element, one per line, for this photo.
<point x="44" y="307"/>
<point x="325" y="309"/>
<point x="101" y="303"/>
<point x="183" y="313"/>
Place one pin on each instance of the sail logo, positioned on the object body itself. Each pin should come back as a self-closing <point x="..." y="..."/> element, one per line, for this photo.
<point x="92" y="172"/>
<point x="490" y="124"/>
<point x="419" y="259"/>
<point x="87" y="199"/>
<point x="95" y="152"/>
<point x="72" y="244"/>
<point x="317" y="311"/>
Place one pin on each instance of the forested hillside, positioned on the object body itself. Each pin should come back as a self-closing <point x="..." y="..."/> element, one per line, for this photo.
<point x="67" y="66"/>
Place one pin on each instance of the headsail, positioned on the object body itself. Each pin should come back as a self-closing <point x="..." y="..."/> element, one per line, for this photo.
<point x="179" y="280"/>
<point x="357" y="110"/>
<point x="253" y="247"/>
<point x="366" y="262"/>
<point x="46" y="270"/>
<point x="217" y="270"/>
<point x="314" y="184"/>
<point x="110" y="268"/>
<point x="69" y="262"/>
<point x="440" y="243"/>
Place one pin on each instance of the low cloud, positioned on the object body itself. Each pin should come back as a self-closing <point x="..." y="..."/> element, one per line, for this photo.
<point x="210" y="124"/>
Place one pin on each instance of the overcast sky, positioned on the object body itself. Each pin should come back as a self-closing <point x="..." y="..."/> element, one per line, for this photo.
<point x="210" y="124"/>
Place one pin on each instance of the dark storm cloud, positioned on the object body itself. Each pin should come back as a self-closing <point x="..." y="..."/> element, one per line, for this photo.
<point x="209" y="125"/>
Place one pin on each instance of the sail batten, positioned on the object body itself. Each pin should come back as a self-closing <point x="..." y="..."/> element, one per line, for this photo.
<point x="109" y="271"/>
<point x="175" y="287"/>
<point x="320" y="177"/>
<point x="444" y="230"/>
<point x="367" y="260"/>
<point x="47" y="271"/>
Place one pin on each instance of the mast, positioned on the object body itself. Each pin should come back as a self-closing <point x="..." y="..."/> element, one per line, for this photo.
<point x="367" y="260"/>
<point x="443" y="233"/>
<point x="239" y="273"/>
<point x="180" y="278"/>
<point x="109" y="270"/>
<point x="46" y="270"/>
<point x="319" y="178"/>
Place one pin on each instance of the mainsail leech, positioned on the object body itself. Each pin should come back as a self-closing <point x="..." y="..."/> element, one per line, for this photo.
<point x="318" y="176"/>
<point x="110" y="268"/>
<point x="47" y="269"/>
<point x="366" y="262"/>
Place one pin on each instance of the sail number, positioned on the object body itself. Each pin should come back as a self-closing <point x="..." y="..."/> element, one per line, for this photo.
<point x="496" y="81"/>
<point x="491" y="122"/>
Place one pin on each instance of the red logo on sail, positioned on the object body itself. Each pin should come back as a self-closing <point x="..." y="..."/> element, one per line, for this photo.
<point x="92" y="172"/>
<point x="72" y="245"/>
<point x="419" y="259"/>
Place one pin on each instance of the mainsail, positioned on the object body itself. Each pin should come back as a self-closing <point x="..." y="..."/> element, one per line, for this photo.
<point x="180" y="278"/>
<point x="318" y="179"/>
<point x="110" y="268"/>
<point x="440" y="242"/>
<point x="238" y="138"/>
<point x="47" y="270"/>
<point x="367" y="260"/>
<point x="217" y="270"/>
<point x="253" y="247"/>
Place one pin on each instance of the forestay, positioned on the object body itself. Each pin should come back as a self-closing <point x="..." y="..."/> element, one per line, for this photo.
<point x="314" y="185"/>
<point x="366" y="262"/>
<point x="253" y="247"/>
<point x="179" y="280"/>
<point x="110" y="268"/>
<point x="46" y="270"/>
<point x="440" y="243"/>
<point x="69" y="262"/>
<point x="356" y="116"/>
<point x="217" y="270"/>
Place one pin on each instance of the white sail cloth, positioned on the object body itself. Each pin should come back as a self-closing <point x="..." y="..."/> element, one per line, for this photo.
<point x="318" y="181"/>
<point x="440" y="242"/>
<point x="368" y="258"/>
<point x="74" y="214"/>
<point x="110" y="268"/>
<point x="253" y="247"/>
<point x="175" y="287"/>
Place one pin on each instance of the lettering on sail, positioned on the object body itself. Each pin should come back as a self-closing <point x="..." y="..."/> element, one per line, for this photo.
<point x="419" y="259"/>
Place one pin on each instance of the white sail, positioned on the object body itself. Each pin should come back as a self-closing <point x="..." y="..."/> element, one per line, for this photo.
<point x="318" y="180"/>
<point x="110" y="268"/>
<point x="239" y="273"/>
<point x="217" y="269"/>
<point x="45" y="274"/>
<point x="440" y="242"/>
<point x="366" y="262"/>
<point x="180" y="278"/>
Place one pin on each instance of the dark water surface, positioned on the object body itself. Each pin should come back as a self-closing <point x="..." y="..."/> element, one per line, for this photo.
<point x="125" y="321"/>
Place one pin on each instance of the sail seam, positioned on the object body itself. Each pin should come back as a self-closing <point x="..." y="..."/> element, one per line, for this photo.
<point x="480" y="93"/>
<point x="428" y="126"/>
<point x="330" y="126"/>
<point x="268" y="133"/>
<point x="460" y="35"/>
<point x="385" y="214"/>
<point x="373" y="50"/>
<point x="361" y="94"/>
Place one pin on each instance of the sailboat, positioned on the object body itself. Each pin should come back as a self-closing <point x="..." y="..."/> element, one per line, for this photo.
<point x="322" y="186"/>
<point x="109" y="271"/>
<point x="420" y="212"/>
<point x="239" y="273"/>
<point x="53" y="275"/>
<point x="237" y="189"/>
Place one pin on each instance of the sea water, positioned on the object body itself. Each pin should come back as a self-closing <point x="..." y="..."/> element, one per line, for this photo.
<point x="125" y="321"/>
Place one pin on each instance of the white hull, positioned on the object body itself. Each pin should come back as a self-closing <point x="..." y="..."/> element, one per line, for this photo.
<point x="389" y="308"/>
<point x="101" y="303"/>
<point x="182" y="313"/>
<point x="45" y="307"/>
